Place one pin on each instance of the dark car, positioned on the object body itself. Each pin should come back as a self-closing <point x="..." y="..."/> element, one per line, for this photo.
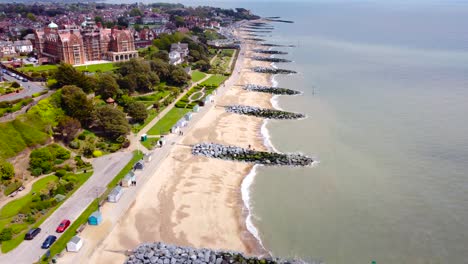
<point x="48" y="241"/>
<point x="63" y="225"/>
<point x="32" y="233"/>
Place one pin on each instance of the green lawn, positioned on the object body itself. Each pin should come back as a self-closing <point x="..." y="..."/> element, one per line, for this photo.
<point x="62" y="241"/>
<point x="37" y="186"/>
<point x="12" y="208"/>
<point x="39" y="68"/>
<point x="104" y="67"/>
<point x="197" y="76"/>
<point x="170" y="119"/>
<point x="215" y="80"/>
<point x="150" y="142"/>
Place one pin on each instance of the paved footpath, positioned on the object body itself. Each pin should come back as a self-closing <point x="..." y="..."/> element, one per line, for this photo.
<point x="105" y="169"/>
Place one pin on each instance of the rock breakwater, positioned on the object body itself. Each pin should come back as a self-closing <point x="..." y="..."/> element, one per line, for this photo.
<point x="160" y="253"/>
<point x="255" y="39"/>
<point x="270" y="89"/>
<point x="275" y="45"/>
<point x="262" y="112"/>
<point x="218" y="151"/>
<point x="272" y="70"/>
<point x="272" y="52"/>
<point x="268" y="59"/>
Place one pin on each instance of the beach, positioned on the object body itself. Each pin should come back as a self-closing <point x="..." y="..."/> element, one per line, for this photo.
<point x="197" y="201"/>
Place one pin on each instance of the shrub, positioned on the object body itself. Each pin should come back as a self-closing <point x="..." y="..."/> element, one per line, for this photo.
<point x="121" y="139"/>
<point x="74" y="144"/>
<point x="97" y="153"/>
<point x="6" y="170"/>
<point x="58" y="161"/>
<point x="13" y="186"/>
<point x="82" y="136"/>
<point x="60" y="173"/>
<point x="36" y="172"/>
<point x="15" y="85"/>
<point x="114" y="147"/>
<point x="69" y="186"/>
<point x="6" y="234"/>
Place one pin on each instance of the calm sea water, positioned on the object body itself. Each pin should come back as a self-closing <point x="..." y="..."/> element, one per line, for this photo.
<point x="386" y="95"/>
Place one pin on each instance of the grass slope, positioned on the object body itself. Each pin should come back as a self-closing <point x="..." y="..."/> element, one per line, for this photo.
<point x="197" y="76"/>
<point x="215" y="80"/>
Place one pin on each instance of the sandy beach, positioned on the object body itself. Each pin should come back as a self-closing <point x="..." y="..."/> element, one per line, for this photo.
<point x="196" y="201"/>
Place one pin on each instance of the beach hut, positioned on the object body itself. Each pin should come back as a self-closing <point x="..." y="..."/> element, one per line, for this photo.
<point x="147" y="157"/>
<point x="188" y="116"/>
<point x="115" y="194"/>
<point x="161" y="142"/>
<point x="208" y="99"/>
<point x="175" y="129"/>
<point x="196" y="109"/>
<point x="127" y="180"/>
<point x="74" y="244"/>
<point x="95" y="218"/>
<point x="144" y="137"/>
<point x="182" y="122"/>
<point x="139" y="165"/>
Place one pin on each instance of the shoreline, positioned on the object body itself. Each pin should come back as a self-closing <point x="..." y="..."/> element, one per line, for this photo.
<point x="197" y="201"/>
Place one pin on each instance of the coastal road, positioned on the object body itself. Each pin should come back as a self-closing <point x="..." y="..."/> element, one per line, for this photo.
<point x="29" y="88"/>
<point x="94" y="236"/>
<point x="105" y="169"/>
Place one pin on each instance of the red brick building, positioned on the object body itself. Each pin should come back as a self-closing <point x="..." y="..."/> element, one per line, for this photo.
<point x="78" y="45"/>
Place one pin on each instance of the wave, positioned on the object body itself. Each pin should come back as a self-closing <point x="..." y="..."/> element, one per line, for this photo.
<point x="245" y="192"/>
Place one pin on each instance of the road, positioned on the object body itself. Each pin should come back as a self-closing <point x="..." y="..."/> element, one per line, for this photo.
<point x="105" y="169"/>
<point x="113" y="212"/>
<point x="30" y="88"/>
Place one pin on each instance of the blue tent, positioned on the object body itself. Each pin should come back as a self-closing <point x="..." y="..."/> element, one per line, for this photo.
<point x="95" y="218"/>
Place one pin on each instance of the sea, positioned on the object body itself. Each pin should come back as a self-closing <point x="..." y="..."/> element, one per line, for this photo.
<point x="385" y="91"/>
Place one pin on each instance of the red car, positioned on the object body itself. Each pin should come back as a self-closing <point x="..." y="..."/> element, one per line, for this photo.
<point x="63" y="225"/>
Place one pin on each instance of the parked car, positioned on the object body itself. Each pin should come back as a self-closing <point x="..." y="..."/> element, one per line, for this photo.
<point x="48" y="241"/>
<point x="63" y="225"/>
<point x="32" y="233"/>
<point x="25" y="80"/>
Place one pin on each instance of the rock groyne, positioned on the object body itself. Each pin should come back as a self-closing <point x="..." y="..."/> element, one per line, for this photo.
<point x="272" y="52"/>
<point x="272" y="70"/>
<point x="268" y="59"/>
<point x="270" y="89"/>
<point x="262" y="112"/>
<point x="218" y="151"/>
<point x="254" y="39"/>
<point x="275" y="45"/>
<point x="160" y="253"/>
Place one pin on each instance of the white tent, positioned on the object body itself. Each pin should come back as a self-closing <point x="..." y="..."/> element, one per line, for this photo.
<point x="74" y="244"/>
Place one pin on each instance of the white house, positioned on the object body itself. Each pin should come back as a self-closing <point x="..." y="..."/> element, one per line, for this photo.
<point x="23" y="46"/>
<point x="74" y="244"/>
<point x="7" y="48"/>
<point x="175" y="58"/>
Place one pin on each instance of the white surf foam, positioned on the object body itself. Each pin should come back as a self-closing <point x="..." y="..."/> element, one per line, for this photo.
<point x="245" y="191"/>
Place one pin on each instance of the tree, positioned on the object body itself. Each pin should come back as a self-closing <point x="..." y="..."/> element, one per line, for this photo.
<point x="6" y="234"/>
<point x="160" y="67"/>
<point x="135" y="12"/>
<point x="107" y="86"/>
<point x="66" y="74"/>
<point x="31" y="17"/>
<point x="112" y="121"/>
<point x="98" y="19"/>
<point x="137" y="27"/>
<point x="162" y="54"/>
<point x="122" y="22"/>
<point x="77" y="105"/>
<point x="68" y="127"/>
<point x="7" y="171"/>
<point x="137" y="111"/>
<point x="179" y="77"/>
<point x="127" y="84"/>
<point x="15" y="84"/>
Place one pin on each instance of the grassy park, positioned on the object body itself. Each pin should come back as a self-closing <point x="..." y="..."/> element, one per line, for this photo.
<point x="197" y="76"/>
<point x="215" y="80"/>
<point x="164" y="125"/>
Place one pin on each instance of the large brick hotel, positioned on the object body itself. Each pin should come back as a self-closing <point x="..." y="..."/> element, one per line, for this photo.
<point x="81" y="44"/>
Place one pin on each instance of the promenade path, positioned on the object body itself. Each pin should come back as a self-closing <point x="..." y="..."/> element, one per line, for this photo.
<point x="105" y="169"/>
<point x="94" y="236"/>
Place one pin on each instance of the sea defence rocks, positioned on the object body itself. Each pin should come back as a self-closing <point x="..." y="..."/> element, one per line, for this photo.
<point x="160" y="253"/>
<point x="272" y="70"/>
<point x="270" y="89"/>
<point x="279" y="20"/>
<point x="218" y="151"/>
<point x="257" y="31"/>
<point x="272" y="52"/>
<point x="262" y="112"/>
<point x="259" y="58"/>
<point x="254" y="39"/>
<point x="275" y="45"/>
